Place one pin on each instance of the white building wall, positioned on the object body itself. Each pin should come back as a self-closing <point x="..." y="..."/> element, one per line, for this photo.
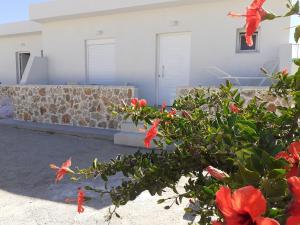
<point x="36" y="71"/>
<point x="213" y="42"/>
<point x="9" y="45"/>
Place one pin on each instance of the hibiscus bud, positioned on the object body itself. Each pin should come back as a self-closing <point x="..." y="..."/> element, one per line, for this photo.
<point x="233" y="108"/>
<point x="163" y="106"/>
<point x="285" y="72"/>
<point x="218" y="174"/>
<point x="143" y="103"/>
<point x="134" y="101"/>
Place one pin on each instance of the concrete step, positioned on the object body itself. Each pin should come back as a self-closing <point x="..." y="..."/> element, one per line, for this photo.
<point x="134" y="139"/>
<point x="85" y="132"/>
<point x="129" y="126"/>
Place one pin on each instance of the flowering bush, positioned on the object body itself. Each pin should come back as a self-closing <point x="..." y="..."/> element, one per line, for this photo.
<point x="241" y="161"/>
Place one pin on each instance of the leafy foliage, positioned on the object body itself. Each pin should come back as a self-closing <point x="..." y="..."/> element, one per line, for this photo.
<point x="205" y="132"/>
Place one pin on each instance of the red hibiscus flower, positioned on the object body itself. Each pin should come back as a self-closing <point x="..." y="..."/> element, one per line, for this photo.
<point x="244" y="207"/>
<point x="294" y="185"/>
<point x="151" y="133"/>
<point x="233" y="108"/>
<point x="61" y="171"/>
<point x="218" y="174"/>
<point x="254" y="15"/>
<point x="293" y="220"/>
<point x="80" y="200"/>
<point x="135" y="102"/>
<point x="292" y="157"/>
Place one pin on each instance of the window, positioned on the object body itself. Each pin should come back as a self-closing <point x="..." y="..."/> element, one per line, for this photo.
<point x="242" y="45"/>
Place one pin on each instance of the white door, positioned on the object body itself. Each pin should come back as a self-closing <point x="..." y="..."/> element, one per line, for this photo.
<point x="174" y="64"/>
<point x="101" y="62"/>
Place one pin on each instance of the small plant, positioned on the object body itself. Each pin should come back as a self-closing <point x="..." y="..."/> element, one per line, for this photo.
<point x="241" y="160"/>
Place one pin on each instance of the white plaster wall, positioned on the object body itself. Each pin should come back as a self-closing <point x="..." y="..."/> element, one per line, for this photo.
<point x="213" y="42"/>
<point x="36" y="71"/>
<point x="9" y="45"/>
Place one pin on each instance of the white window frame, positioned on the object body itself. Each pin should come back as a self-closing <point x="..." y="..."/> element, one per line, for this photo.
<point x="238" y="42"/>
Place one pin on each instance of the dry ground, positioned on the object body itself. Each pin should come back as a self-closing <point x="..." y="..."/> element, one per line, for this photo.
<point x="28" y="195"/>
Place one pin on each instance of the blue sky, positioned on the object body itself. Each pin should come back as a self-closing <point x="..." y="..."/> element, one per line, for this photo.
<point x="14" y="10"/>
<point x="17" y="10"/>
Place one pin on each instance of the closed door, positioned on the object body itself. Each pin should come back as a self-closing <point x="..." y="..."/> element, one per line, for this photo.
<point x="174" y="63"/>
<point x="101" y="62"/>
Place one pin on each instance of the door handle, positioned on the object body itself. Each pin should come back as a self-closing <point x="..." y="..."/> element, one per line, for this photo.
<point x="163" y="71"/>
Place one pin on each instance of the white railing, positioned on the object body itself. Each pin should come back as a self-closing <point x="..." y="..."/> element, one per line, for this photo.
<point x="295" y="51"/>
<point x="271" y="66"/>
<point x="219" y="74"/>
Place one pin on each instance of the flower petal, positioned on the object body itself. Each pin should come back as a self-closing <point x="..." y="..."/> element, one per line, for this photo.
<point x="216" y="223"/>
<point x="253" y="20"/>
<point x="68" y="163"/>
<point x="294" y="185"/>
<point x="224" y="201"/>
<point x="257" y="3"/>
<point x="294" y="149"/>
<point x="265" y="221"/>
<point x="293" y="220"/>
<point x="294" y="171"/>
<point x="151" y="133"/>
<point x="249" y="199"/>
<point x="286" y="156"/>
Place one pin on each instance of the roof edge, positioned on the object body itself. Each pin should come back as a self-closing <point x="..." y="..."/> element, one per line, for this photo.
<point x="22" y="27"/>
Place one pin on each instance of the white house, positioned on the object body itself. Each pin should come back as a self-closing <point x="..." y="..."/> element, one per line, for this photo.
<point x="155" y="45"/>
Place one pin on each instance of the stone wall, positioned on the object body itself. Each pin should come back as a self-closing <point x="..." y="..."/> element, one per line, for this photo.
<point x="248" y="93"/>
<point x="86" y="106"/>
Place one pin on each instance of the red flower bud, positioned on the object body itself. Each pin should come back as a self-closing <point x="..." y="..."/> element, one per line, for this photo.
<point x="218" y="174"/>
<point x="285" y="72"/>
<point x="143" y="103"/>
<point x="233" y="108"/>
<point x="134" y="102"/>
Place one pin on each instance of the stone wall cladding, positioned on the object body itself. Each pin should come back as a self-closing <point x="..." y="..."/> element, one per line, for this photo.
<point x="247" y="94"/>
<point x="85" y="106"/>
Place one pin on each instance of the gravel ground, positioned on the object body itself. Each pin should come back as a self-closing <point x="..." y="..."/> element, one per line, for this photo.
<point x="29" y="195"/>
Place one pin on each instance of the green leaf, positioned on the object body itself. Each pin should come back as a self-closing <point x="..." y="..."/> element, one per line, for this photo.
<point x="247" y="130"/>
<point x="293" y="10"/>
<point x="248" y="176"/>
<point x="269" y="16"/>
<point x="160" y="201"/>
<point x="275" y="173"/>
<point x="297" y="62"/>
